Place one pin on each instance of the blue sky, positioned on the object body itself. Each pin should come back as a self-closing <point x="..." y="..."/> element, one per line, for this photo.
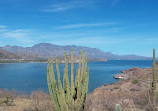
<point x="118" y="26"/>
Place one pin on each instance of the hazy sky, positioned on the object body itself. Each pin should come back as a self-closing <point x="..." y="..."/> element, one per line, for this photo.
<point x="117" y="26"/>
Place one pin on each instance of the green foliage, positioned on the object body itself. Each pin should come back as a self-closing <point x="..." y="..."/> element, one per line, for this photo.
<point x="8" y="101"/>
<point x="118" y="107"/>
<point x="153" y="90"/>
<point x="154" y="80"/>
<point x="154" y="71"/>
<point x="105" y="84"/>
<point x="68" y="97"/>
<point x="135" y="81"/>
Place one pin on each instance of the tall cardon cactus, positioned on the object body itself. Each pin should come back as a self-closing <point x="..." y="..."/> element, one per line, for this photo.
<point x="71" y="95"/>
<point x="154" y="79"/>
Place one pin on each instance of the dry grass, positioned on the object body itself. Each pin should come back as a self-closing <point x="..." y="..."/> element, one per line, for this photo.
<point x="36" y="101"/>
<point x="132" y="94"/>
<point x="41" y="101"/>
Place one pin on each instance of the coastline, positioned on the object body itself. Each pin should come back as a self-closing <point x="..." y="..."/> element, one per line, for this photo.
<point x="61" y="62"/>
<point x="131" y="91"/>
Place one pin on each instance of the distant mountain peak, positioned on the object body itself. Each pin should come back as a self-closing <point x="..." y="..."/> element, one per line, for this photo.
<point x="42" y="44"/>
<point x="48" y="50"/>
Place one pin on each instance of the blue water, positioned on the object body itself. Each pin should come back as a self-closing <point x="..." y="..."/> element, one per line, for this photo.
<point x="27" y="77"/>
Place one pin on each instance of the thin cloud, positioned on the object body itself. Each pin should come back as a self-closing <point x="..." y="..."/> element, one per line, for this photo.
<point x="57" y="8"/>
<point x="19" y="35"/>
<point x="75" y="4"/>
<point x="3" y="26"/>
<point x="3" y="30"/>
<point x="60" y="7"/>
<point x="86" y="25"/>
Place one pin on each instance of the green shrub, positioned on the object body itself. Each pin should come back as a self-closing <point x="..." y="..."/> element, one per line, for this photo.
<point x="8" y="101"/>
<point x="105" y="84"/>
<point x="118" y="107"/>
<point x="135" y="81"/>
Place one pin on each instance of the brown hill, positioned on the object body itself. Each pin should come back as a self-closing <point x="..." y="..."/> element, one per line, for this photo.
<point x="131" y="92"/>
<point x="7" y="55"/>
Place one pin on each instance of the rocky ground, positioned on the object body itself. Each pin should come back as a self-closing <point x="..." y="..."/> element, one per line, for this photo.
<point x="131" y="92"/>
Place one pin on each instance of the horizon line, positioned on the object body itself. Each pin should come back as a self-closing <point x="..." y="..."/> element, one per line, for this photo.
<point x="76" y="46"/>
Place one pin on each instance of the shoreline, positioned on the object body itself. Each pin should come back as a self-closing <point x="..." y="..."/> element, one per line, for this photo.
<point x="44" y="62"/>
<point x="131" y="91"/>
<point x="4" y="62"/>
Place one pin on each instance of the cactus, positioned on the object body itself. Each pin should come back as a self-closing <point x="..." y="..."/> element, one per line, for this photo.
<point x="154" y="79"/>
<point x="8" y="101"/>
<point x="68" y="97"/>
<point x="72" y="73"/>
<point x="118" y="107"/>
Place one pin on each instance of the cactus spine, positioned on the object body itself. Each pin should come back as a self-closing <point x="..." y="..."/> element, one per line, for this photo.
<point x="66" y="98"/>
<point x="154" y="79"/>
<point x="118" y="107"/>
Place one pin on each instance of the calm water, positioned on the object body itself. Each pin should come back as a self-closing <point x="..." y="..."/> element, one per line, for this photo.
<point x="27" y="77"/>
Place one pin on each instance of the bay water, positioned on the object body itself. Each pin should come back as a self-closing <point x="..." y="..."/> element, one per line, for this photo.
<point x="28" y="77"/>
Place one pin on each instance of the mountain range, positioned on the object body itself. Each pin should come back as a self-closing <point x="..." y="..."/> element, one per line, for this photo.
<point x="47" y="50"/>
<point x="7" y="55"/>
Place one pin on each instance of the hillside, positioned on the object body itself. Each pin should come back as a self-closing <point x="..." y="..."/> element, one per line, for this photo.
<point x="7" y="55"/>
<point x="47" y="50"/>
<point x="131" y="92"/>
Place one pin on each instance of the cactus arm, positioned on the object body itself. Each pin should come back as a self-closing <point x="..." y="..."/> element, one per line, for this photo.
<point x="84" y="88"/>
<point x="75" y="92"/>
<point x="154" y="71"/>
<point x="85" y="69"/>
<point x="61" y="91"/>
<point x="51" y="86"/>
<point x="58" y="74"/>
<point x="83" y="94"/>
<point x="83" y="62"/>
<point x="64" y="84"/>
<point x="69" y="98"/>
<point x="78" y="79"/>
<point x="72" y="74"/>
<point x="87" y="81"/>
<point x="154" y="79"/>
<point x="79" y="69"/>
<point x="81" y="90"/>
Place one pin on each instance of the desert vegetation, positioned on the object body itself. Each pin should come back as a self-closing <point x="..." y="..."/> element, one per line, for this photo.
<point x="68" y="97"/>
<point x="12" y="100"/>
